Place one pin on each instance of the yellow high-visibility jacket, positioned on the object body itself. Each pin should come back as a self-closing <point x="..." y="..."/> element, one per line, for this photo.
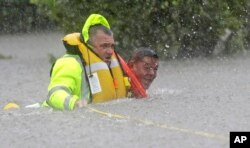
<point x="84" y="76"/>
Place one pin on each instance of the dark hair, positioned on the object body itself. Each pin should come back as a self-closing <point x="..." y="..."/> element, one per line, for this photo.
<point x="93" y="30"/>
<point x="142" y="52"/>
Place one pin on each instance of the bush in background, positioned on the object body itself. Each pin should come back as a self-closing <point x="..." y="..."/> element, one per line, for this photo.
<point x="175" y="28"/>
<point x="18" y="16"/>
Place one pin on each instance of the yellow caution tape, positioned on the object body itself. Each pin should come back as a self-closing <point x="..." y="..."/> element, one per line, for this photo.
<point x="164" y="126"/>
<point x="12" y="105"/>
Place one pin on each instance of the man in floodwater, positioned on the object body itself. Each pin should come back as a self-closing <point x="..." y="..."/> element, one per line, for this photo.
<point x="90" y="71"/>
<point x="144" y="62"/>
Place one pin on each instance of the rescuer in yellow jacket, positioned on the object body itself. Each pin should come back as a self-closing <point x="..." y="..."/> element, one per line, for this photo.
<point x="90" y="71"/>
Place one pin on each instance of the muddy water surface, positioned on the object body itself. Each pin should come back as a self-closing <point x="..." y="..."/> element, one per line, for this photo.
<point x="194" y="103"/>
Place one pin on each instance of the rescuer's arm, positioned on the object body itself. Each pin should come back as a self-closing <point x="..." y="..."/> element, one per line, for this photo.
<point x="65" y="84"/>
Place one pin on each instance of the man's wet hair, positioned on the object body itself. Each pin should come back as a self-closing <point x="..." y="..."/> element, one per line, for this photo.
<point x="93" y="31"/>
<point x="142" y="52"/>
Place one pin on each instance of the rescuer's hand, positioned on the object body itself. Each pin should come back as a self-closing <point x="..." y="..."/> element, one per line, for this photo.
<point x="81" y="103"/>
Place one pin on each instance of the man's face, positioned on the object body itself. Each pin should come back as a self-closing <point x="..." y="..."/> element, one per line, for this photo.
<point x="103" y="45"/>
<point x="146" y="70"/>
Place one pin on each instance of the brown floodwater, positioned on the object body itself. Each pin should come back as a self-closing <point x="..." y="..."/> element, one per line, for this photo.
<point x="193" y="103"/>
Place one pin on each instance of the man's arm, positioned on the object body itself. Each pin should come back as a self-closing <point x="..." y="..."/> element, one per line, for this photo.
<point x="65" y="83"/>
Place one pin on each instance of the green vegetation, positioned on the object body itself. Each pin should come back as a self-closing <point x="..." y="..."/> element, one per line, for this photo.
<point x="22" y="16"/>
<point x="4" y="56"/>
<point x="175" y="28"/>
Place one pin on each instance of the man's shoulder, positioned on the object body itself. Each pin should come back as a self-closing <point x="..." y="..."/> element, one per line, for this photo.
<point x="68" y="60"/>
<point x="69" y="57"/>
